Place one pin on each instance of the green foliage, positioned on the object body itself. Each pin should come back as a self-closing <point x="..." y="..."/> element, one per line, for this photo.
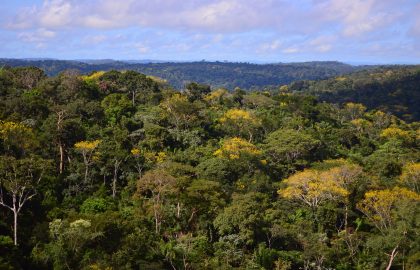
<point x="217" y="74"/>
<point x="117" y="170"/>
<point x="95" y="205"/>
<point x="392" y="89"/>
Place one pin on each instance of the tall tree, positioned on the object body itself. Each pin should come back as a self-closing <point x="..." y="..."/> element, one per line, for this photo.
<point x="18" y="181"/>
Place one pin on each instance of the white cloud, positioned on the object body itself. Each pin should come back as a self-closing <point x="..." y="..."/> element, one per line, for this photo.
<point x="322" y="43"/>
<point x="290" y="50"/>
<point x="56" y="13"/>
<point x="142" y="48"/>
<point x="270" y="46"/>
<point x="415" y="27"/>
<point x="359" y="17"/>
<point x="39" y="35"/>
<point x="218" y="15"/>
<point x="94" y="40"/>
<point x="233" y="27"/>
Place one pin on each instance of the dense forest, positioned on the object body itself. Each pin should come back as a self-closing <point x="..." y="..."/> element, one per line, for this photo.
<point x="216" y="74"/>
<point x="119" y="170"/>
<point x="392" y="89"/>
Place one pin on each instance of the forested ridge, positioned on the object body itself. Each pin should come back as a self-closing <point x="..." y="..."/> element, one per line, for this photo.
<point x="394" y="89"/>
<point x="216" y="74"/>
<point x="119" y="170"/>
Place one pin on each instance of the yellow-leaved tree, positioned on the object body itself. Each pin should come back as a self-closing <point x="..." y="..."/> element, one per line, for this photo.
<point x="235" y="148"/>
<point x="352" y="111"/>
<point x="378" y="205"/>
<point x="313" y="188"/>
<point x="216" y="97"/>
<point x="16" y="136"/>
<point x="410" y="176"/>
<point x="334" y="181"/>
<point x="240" y="123"/>
<point x="145" y="159"/>
<point x="87" y="149"/>
<point x="384" y="209"/>
<point x="395" y="133"/>
<point x="94" y="77"/>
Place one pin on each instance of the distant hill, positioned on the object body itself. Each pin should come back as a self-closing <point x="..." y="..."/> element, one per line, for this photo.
<point x="395" y="89"/>
<point x="216" y="74"/>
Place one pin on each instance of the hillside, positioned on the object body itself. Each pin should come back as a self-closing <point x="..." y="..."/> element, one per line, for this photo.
<point x="392" y="89"/>
<point x="216" y="74"/>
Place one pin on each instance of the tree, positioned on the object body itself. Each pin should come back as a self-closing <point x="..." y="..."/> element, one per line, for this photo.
<point x="205" y="199"/>
<point x="387" y="211"/>
<point x="244" y="217"/>
<point x="87" y="149"/>
<point x="115" y="107"/>
<point x="289" y="147"/>
<point x="114" y="153"/>
<point x="352" y="111"/>
<point x="28" y="77"/>
<point x="181" y="112"/>
<point x="396" y="133"/>
<point x="216" y="97"/>
<point x="64" y="129"/>
<point x="240" y="123"/>
<point x="159" y="184"/>
<point x="134" y="82"/>
<point x="16" y="137"/>
<point x="312" y="187"/>
<point x="378" y="205"/>
<point x="235" y="148"/>
<point x="196" y="91"/>
<point x="68" y="241"/>
<point x="410" y="176"/>
<point x="18" y="181"/>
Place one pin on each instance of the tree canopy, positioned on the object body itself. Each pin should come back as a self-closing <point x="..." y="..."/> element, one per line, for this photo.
<point x="118" y="170"/>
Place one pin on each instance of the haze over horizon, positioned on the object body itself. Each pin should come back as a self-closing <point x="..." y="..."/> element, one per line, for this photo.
<point x="370" y="31"/>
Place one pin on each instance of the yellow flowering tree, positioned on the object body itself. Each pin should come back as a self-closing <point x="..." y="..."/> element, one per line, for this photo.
<point x="87" y="149"/>
<point x="361" y="125"/>
<point x="240" y="122"/>
<point x="354" y="110"/>
<point x="378" y="205"/>
<point x="16" y="136"/>
<point x="216" y="96"/>
<point x="145" y="159"/>
<point x="94" y="77"/>
<point x="395" y="133"/>
<point x="410" y="176"/>
<point x="313" y="188"/>
<point x="236" y="148"/>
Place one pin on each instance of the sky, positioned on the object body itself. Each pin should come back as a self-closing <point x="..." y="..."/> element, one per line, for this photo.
<point x="352" y="31"/>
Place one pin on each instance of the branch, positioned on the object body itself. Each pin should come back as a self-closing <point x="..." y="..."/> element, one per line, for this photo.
<point x="24" y="198"/>
<point x="2" y="202"/>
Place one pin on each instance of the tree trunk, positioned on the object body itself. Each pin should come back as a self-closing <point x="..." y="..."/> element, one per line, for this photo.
<point x="86" y="173"/>
<point x="392" y="257"/>
<point x="178" y="210"/>
<point x="133" y="98"/>
<point x="346" y="216"/>
<point x="15" y="216"/>
<point x="61" y="157"/>
<point x="156" y="221"/>
<point x="114" y="186"/>
<point x="115" y="178"/>
<point x="15" y="220"/>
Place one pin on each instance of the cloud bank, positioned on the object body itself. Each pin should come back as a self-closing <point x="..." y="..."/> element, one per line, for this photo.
<point x="241" y="29"/>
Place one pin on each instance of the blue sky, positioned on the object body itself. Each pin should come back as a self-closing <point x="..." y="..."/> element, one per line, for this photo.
<point x="356" y="31"/>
